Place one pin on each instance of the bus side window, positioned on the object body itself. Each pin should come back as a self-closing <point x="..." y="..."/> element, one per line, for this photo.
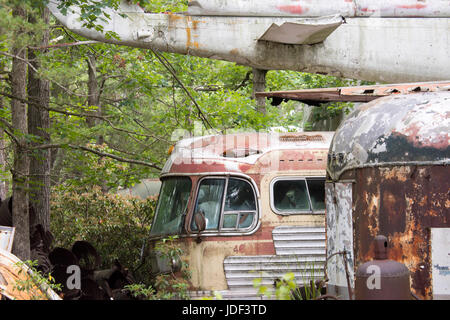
<point x="298" y="195"/>
<point x="316" y="189"/>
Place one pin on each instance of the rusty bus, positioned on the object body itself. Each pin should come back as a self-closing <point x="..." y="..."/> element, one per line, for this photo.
<point x="244" y="206"/>
<point x="388" y="175"/>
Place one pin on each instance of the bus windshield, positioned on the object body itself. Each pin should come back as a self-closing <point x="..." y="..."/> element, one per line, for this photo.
<point x="172" y="205"/>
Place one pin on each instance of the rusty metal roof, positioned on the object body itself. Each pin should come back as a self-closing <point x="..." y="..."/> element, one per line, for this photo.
<point x="353" y="94"/>
<point x="233" y="152"/>
<point x="393" y="130"/>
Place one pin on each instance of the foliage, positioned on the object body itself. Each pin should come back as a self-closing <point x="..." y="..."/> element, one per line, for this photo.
<point x="166" y="286"/>
<point x="35" y="283"/>
<point x="115" y="225"/>
<point x="287" y="288"/>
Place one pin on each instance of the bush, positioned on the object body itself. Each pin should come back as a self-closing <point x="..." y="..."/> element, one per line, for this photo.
<point x="117" y="226"/>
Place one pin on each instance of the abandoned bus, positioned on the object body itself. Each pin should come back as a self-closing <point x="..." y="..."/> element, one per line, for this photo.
<point x="244" y="206"/>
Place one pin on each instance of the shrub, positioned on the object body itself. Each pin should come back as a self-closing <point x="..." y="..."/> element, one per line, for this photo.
<point x="117" y="226"/>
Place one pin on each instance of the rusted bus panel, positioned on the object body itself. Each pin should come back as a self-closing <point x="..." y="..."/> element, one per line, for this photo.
<point x="402" y="203"/>
<point x="339" y="238"/>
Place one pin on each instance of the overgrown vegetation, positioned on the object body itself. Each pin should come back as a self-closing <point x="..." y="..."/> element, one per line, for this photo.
<point x="34" y="284"/>
<point x="106" y="121"/>
<point x="117" y="226"/>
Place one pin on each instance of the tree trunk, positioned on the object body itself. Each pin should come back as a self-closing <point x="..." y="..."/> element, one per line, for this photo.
<point x="3" y="183"/>
<point x="93" y="92"/>
<point x="259" y="85"/>
<point x="94" y="100"/>
<point x="20" y="215"/>
<point x="38" y="125"/>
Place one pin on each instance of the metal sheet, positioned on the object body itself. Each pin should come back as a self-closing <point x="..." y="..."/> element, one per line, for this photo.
<point x="400" y="129"/>
<point x="299" y="241"/>
<point x="356" y="93"/>
<point x="376" y="49"/>
<point x="401" y="203"/>
<point x="338" y="198"/>
<point x="310" y="8"/>
<point x="440" y="260"/>
<point x="6" y="238"/>
<point x="299" y="33"/>
<point x="300" y="250"/>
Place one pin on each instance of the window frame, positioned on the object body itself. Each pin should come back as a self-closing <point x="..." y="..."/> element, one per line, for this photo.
<point x="294" y="212"/>
<point x="221" y="230"/>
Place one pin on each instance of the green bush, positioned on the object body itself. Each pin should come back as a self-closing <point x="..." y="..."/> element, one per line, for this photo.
<point x="117" y="226"/>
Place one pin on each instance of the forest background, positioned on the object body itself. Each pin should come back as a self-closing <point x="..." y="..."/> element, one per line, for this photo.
<point x="80" y="120"/>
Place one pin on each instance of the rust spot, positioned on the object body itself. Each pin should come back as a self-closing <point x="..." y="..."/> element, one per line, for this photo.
<point x="412" y="6"/>
<point x="294" y="9"/>
<point x="409" y="205"/>
<point x="367" y="10"/>
<point x="188" y="37"/>
<point x="234" y="52"/>
<point x="195" y="24"/>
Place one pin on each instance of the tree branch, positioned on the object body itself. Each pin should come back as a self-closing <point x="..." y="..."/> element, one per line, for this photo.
<point x="62" y="45"/>
<point x="97" y="152"/>
<point x="167" y="65"/>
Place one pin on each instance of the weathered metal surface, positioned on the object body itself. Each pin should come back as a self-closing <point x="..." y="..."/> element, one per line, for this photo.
<point x="381" y="278"/>
<point x="6" y="238"/>
<point x="353" y="94"/>
<point x="312" y="8"/>
<point x="299" y="241"/>
<point x="402" y="202"/>
<point x="440" y="261"/>
<point x="339" y="232"/>
<point x="300" y="250"/>
<point x="393" y="130"/>
<point x="13" y="273"/>
<point x="301" y="33"/>
<point x="395" y="150"/>
<point x="394" y="49"/>
<point x="270" y="152"/>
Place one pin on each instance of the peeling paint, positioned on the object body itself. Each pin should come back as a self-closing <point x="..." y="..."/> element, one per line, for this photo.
<point x="402" y="192"/>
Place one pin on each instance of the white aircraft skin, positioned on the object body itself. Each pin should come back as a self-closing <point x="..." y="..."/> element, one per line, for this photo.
<point x="385" y="41"/>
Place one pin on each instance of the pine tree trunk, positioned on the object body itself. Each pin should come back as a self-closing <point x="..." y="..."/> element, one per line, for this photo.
<point x="20" y="215"/>
<point x="38" y="124"/>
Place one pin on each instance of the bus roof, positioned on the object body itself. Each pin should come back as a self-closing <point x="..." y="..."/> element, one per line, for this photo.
<point x="244" y="152"/>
